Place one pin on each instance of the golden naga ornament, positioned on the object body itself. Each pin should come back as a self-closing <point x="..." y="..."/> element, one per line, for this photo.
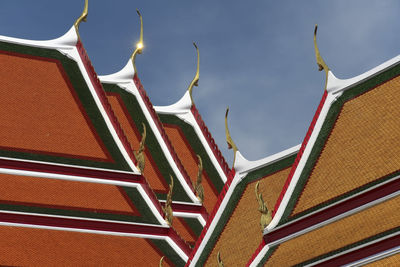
<point x="231" y="144"/>
<point x="161" y="261"/>
<point x="320" y="62"/>
<point x="195" y="81"/>
<point x="83" y="17"/>
<point x="140" y="44"/>
<point x="198" y="187"/>
<point x="168" y="204"/>
<point x="139" y="155"/>
<point x="219" y="260"/>
<point x="266" y="215"/>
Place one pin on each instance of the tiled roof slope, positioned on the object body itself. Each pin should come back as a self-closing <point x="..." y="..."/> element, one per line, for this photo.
<point x="67" y="153"/>
<point x="237" y="217"/>
<point x="133" y="108"/>
<point x="353" y="144"/>
<point x="62" y="120"/>
<point x="190" y="137"/>
<point x="370" y="224"/>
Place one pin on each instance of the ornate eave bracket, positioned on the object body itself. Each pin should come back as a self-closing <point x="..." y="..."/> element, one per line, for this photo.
<point x="167" y="209"/>
<point x="139" y="154"/>
<point x="198" y="187"/>
<point x="266" y="215"/>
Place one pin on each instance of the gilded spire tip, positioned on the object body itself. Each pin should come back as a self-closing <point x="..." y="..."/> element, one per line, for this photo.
<point x="320" y="62"/>
<point x="82" y="17"/>
<point x="231" y="144"/>
<point x="195" y="81"/>
<point x="140" y="44"/>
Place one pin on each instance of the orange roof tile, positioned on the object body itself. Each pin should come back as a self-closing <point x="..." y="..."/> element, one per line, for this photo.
<point x="364" y="143"/>
<point x="351" y="229"/>
<point x="43" y="114"/>
<point x="242" y="234"/>
<point x="52" y="193"/>
<point x="20" y="246"/>
<point x="190" y="163"/>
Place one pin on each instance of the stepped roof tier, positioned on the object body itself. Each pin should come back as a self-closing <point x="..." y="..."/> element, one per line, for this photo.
<point x="92" y="173"/>
<point x="191" y="139"/>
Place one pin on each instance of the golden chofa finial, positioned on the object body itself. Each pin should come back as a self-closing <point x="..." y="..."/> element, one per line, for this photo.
<point x="139" y="155"/>
<point x="320" y="62"/>
<point x="161" y="261"/>
<point x="231" y="144"/>
<point x="198" y="187"/>
<point x="219" y="260"/>
<point x="83" y="17"/>
<point x="195" y="81"/>
<point x="168" y="204"/>
<point x="266" y="215"/>
<point x="139" y="45"/>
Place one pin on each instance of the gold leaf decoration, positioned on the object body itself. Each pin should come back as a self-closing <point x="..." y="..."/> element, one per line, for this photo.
<point x="266" y="215"/>
<point x="168" y="204"/>
<point x="139" y="155"/>
<point x="198" y="187"/>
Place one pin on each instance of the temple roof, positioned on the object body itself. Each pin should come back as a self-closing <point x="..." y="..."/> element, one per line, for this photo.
<point x="236" y="216"/>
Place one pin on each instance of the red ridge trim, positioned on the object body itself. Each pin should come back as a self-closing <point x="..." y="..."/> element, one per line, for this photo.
<point x="255" y="254"/>
<point x="340" y="208"/>
<point x="221" y="196"/>
<point x="363" y="252"/>
<point x="67" y="170"/>
<point x="103" y="99"/>
<point x="115" y="227"/>
<point x="160" y="128"/>
<point x="87" y="173"/>
<point x="53" y="206"/>
<point x="300" y="153"/>
<point x="210" y="140"/>
<point x="73" y="223"/>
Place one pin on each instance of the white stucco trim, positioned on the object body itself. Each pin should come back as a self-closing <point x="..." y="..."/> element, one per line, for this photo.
<point x="66" y="44"/>
<point x="182" y="109"/>
<point x="124" y="79"/>
<point x="236" y="180"/>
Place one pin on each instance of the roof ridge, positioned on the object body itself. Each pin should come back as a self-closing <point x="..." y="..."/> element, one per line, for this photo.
<point x="300" y="153"/>
<point x="211" y="142"/>
<point x="160" y="127"/>
<point x="103" y="99"/>
<point x="221" y="196"/>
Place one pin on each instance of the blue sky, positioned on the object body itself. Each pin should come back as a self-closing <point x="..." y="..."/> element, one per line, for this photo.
<point x="257" y="57"/>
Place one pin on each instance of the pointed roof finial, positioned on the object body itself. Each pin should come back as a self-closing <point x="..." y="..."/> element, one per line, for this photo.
<point x="195" y="81"/>
<point x="83" y="17"/>
<point x="139" y="45"/>
<point x="231" y="144"/>
<point x="321" y="63"/>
